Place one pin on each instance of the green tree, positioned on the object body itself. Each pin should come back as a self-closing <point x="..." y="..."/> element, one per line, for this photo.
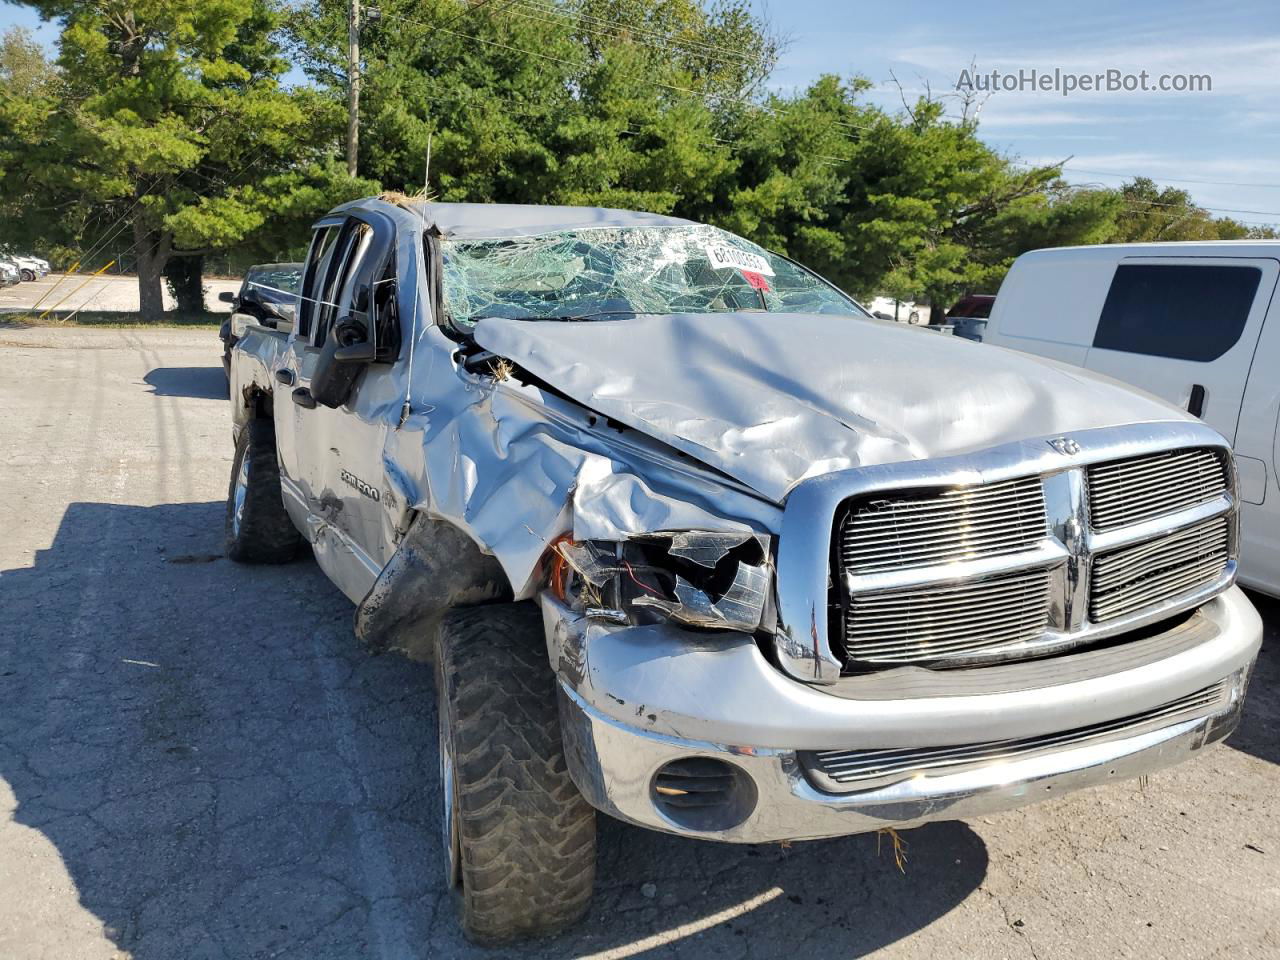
<point x="613" y="102"/>
<point x="170" y="129"/>
<point x="658" y="106"/>
<point x="791" y="171"/>
<point x="912" y="205"/>
<point x="25" y="71"/>
<point x="1150" y="213"/>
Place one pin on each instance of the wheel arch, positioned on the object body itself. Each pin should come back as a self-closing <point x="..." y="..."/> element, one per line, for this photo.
<point x="437" y="568"/>
<point x="252" y="402"/>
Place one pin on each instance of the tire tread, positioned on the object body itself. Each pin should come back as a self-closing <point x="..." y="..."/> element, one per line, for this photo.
<point x="267" y="535"/>
<point x="527" y="835"/>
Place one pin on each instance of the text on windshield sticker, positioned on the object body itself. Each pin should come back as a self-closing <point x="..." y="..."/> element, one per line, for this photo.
<point x="724" y="257"/>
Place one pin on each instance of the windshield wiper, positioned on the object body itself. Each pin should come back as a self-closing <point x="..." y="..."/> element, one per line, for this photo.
<point x="581" y="317"/>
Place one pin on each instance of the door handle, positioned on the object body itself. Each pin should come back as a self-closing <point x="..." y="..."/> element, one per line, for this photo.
<point x="285" y="376"/>
<point x="303" y="398"/>
<point x="1195" y="406"/>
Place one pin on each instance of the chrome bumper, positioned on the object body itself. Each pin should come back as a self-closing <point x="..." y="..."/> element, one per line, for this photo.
<point x="635" y="699"/>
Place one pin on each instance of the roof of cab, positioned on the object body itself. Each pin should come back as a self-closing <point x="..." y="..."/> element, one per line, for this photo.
<point x="498" y="220"/>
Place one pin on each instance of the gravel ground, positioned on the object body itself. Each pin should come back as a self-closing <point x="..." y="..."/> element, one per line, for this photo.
<point x="105" y="293"/>
<point x="197" y="760"/>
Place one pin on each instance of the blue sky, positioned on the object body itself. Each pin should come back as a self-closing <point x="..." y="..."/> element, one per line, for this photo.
<point x="1230" y="136"/>
<point x="1223" y="146"/>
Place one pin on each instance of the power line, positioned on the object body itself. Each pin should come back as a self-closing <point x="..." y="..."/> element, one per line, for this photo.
<point x="1154" y="203"/>
<point x="1214" y="183"/>
<point x="1157" y="203"/>
<point x="1195" y="206"/>
<point x="1159" y="179"/>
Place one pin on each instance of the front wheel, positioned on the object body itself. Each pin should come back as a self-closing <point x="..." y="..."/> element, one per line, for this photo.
<point x="519" y="839"/>
<point x="258" y="528"/>
<point x="28" y="275"/>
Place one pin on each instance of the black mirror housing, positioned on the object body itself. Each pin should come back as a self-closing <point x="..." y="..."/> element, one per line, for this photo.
<point x="361" y="352"/>
<point x="341" y="359"/>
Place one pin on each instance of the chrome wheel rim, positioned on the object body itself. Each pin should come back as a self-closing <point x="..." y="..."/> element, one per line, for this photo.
<point x="240" y="494"/>
<point x="449" y="838"/>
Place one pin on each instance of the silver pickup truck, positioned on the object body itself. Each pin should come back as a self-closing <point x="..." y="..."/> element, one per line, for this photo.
<point x="695" y="541"/>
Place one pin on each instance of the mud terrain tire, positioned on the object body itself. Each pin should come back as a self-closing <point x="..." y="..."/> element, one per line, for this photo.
<point x="520" y="841"/>
<point x="258" y="529"/>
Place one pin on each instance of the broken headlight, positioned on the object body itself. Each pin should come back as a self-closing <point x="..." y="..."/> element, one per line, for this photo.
<point x="715" y="581"/>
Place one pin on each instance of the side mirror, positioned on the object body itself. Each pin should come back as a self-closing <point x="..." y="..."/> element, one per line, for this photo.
<point x="361" y="352"/>
<point x="287" y="314"/>
<point x="345" y="352"/>
<point x="226" y="296"/>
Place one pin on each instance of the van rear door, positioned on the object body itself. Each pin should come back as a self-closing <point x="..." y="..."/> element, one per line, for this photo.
<point x="1186" y="329"/>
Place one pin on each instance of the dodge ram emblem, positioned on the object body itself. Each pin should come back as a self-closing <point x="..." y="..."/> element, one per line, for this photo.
<point x="351" y="480"/>
<point x="1065" y="446"/>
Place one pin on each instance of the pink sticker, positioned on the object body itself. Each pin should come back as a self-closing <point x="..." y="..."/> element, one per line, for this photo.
<point x="757" y="280"/>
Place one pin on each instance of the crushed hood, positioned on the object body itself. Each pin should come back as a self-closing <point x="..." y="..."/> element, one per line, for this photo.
<point x="773" y="398"/>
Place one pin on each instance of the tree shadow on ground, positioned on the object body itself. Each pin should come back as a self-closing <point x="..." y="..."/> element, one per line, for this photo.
<point x="224" y="772"/>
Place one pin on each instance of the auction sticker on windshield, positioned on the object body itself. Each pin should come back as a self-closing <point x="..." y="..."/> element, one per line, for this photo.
<point x="724" y="257"/>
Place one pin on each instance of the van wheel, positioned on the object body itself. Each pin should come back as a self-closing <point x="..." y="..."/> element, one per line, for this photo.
<point x="258" y="529"/>
<point x="519" y="839"/>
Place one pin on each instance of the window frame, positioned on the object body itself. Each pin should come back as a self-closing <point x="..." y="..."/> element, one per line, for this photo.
<point x="332" y="273"/>
<point x="329" y="308"/>
<point x="316" y="253"/>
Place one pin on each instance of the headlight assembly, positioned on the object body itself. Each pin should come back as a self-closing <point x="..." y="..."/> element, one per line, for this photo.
<point x="704" y="579"/>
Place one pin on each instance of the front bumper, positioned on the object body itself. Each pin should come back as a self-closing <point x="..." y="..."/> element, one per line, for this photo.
<point x="635" y="699"/>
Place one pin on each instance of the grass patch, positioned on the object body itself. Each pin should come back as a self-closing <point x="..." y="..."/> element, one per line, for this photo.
<point x="110" y="319"/>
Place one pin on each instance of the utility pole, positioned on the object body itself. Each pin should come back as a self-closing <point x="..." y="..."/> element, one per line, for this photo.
<point x="353" y="85"/>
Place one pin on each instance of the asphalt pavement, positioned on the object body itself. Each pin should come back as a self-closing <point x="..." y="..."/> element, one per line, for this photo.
<point x="198" y="761"/>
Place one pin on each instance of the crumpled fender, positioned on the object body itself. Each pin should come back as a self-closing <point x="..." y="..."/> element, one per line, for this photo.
<point x="436" y="568"/>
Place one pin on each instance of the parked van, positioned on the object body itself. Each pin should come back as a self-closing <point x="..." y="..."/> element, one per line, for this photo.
<point x="1195" y="323"/>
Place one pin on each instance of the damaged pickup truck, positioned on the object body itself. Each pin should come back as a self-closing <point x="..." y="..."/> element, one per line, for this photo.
<point x="695" y="541"/>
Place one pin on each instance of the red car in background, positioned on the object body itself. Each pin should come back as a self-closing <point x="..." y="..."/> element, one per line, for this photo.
<point x="968" y="316"/>
<point x="974" y="305"/>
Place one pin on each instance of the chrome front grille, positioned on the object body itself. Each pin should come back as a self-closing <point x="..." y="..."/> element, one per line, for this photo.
<point x="919" y="625"/>
<point x="1136" y="577"/>
<point x="889" y="533"/>
<point x="963" y="574"/>
<point x="1130" y="491"/>
<point x="853" y="770"/>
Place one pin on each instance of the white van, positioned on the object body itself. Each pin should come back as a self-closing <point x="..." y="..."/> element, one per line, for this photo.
<point x="1195" y="323"/>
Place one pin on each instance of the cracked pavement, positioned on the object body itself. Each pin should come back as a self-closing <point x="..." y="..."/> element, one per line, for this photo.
<point x="197" y="760"/>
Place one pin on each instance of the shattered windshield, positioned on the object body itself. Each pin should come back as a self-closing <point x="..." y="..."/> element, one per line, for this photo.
<point x="611" y="271"/>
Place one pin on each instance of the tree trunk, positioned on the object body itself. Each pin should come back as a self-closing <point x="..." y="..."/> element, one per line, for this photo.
<point x="153" y="254"/>
<point x="184" y="275"/>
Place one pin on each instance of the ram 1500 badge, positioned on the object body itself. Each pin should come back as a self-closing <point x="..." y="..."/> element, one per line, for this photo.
<point x="696" y="542"/>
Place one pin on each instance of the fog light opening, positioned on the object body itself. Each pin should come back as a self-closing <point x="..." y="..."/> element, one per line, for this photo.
<point x="703" y="793"/>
